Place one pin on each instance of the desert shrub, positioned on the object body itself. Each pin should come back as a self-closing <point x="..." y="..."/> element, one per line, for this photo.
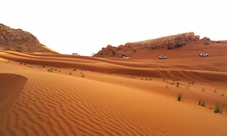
<point x="179" y="96"/>
<point x="83" y="75"/>
<point x="203" y="90"/>
<point x="178" y="84"/>
<point x="74" y="69"/>
<point x="202" y="103"/>
<point x="70" y="73"/>
<point x="50" y="70"/>
<point x="218" y="108"/>
<point x="173" y="83"/>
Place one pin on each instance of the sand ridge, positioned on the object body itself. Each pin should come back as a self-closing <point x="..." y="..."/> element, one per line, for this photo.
<point x="11" y="86"/>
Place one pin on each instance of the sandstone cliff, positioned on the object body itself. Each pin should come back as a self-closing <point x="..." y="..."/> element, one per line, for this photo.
<point x="19" y="40"/>
<point x="167" y="42"/>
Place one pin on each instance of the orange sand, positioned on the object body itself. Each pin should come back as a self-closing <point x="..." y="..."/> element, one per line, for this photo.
<point x="111" y="96"/>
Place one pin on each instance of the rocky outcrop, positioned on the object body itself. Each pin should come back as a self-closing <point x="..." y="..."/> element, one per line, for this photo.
<point x="19" y="40"/>
<point x="168" y="42"/>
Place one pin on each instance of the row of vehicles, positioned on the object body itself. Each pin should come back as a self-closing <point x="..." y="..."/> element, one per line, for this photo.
<point x="165" y="57"/>
<point x="200" y="54"/>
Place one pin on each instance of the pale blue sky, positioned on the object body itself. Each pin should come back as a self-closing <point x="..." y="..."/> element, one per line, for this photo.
<point x="85" y="26"/>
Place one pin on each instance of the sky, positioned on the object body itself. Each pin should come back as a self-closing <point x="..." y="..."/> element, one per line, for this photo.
<point x="86" y="26"/>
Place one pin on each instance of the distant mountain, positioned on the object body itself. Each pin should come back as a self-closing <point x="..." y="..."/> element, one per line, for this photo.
<point x="167" y="42"/>
<point x="20" y="41"/>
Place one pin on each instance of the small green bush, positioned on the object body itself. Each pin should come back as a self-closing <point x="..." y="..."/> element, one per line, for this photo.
<point x="202" y="103"/>
<point x="218" y="108"/>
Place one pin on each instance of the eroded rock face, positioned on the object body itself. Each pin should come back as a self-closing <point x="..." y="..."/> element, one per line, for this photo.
<point x="19" y="40"/>
<point x="168" y="42"/>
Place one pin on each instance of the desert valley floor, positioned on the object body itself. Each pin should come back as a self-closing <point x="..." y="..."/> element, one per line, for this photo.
<point x="56" y="94"/>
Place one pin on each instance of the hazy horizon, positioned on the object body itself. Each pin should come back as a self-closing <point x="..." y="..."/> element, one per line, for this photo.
<point x="84" y="27"/>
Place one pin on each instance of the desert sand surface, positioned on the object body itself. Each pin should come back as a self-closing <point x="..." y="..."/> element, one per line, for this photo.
<point x="54" y="94"/>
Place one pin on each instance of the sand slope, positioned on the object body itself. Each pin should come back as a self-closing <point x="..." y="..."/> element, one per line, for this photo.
<point x="11" y="86"/>
<point x="114" y="97"/>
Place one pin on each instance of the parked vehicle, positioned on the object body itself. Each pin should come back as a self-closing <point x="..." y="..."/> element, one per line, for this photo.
<point x="125" y="57"/>
<point x="75" y="54"/>
<point x="203" y="54"/>
<point x="162" y="57"/>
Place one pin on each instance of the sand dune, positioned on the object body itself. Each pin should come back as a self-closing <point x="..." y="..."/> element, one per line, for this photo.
<point x="61" y="95"/>
<point x="11" y="87"/>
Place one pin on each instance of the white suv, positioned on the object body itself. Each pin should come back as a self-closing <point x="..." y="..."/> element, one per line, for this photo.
<point x="125" y="57"/>
<point x="203" y="54"/>
<point x="162" y="57"/>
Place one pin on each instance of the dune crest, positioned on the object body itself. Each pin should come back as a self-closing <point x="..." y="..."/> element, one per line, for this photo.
<point x="11" y="86"/>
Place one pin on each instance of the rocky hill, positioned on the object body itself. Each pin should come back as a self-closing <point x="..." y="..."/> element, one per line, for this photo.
<point x="19" y="40"/>
<point x="167" y="42"/>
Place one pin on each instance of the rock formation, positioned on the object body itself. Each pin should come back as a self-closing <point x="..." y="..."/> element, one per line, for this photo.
<point x="167" y="42"/>
<point x="19" y="40"/>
